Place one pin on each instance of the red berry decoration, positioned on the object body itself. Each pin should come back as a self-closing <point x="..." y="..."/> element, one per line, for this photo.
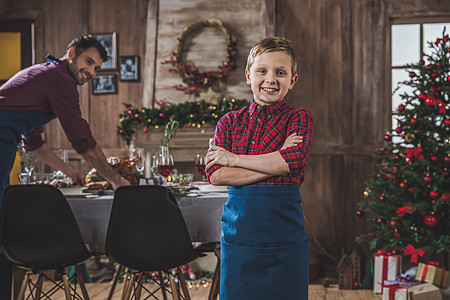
<point x="401" y="107"/>
<point x="412" y="74"/>
<point x="434" y="194"/>
<point x="402" y="184"/>
<point x="430" y="220"/>
<point x="427" y="179"/>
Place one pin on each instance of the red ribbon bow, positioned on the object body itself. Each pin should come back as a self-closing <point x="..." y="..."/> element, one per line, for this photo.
<point x="382" y="253"/>
<point x="410" y="152"/>
<point x="410" y="250"/>
<point x="434" y="263"/>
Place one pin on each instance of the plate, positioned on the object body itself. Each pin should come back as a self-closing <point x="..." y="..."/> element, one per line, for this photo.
<point x="209" y="188"/>
<point x="75" y="191"/>
<point x="99" y="192"/>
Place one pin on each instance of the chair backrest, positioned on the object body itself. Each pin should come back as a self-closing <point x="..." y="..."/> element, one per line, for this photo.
<point x="38" y="229"/>
<point x="147" y="231"/>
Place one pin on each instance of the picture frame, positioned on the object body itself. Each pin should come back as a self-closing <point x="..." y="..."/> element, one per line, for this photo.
<point x="129" y="68"/>
<point x="109" y="41"/>
<point x="104" y="84"/>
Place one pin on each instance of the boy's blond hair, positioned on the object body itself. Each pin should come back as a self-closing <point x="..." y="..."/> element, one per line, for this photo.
<point x="272" y="44"/>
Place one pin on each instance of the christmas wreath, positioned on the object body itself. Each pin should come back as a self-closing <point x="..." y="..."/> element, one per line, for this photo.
<point x="190" y="74"/>
<point x="190" y="114"/>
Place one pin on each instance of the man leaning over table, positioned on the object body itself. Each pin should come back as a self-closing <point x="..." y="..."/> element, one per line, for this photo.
<point x="35" y="96"/>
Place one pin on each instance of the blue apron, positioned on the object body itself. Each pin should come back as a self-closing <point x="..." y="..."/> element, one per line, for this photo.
<point x="12" y="126"/>
<point x="265" y="248"/>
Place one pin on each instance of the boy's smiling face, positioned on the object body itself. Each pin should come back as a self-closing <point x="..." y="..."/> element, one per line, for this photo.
<point x="270" y="77"/>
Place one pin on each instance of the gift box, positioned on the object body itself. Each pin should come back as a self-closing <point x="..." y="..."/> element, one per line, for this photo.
<point x="397" y="290"/>
<point x="386" y="267"/>
<point x="424" y="291"/>
<point x="433" y="273"/>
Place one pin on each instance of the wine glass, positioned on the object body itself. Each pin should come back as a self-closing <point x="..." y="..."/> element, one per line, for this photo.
<point x="29" y="164"/>
<point x="200" y="164"/>
<point x="165" y="165"/>
<point x="139" y="159"/>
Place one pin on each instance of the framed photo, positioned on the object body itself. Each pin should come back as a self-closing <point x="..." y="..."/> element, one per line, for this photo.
<point x="104" y="84"/>
<point x="129" y="68"/>
<point x="109" y="41"/>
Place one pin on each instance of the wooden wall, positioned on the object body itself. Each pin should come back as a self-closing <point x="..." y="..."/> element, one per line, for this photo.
<point x="343" y="48"/>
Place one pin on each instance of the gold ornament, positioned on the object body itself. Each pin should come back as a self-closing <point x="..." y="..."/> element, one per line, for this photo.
<point x="409" y="137"/>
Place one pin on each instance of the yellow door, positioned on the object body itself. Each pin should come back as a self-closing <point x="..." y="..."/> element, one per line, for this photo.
<point x="10" y="53"/>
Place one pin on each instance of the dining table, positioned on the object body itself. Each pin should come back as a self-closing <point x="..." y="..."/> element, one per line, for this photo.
<point x="202" y="214"/>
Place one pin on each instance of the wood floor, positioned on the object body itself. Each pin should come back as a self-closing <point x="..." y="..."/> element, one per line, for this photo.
<point x="100" y="291"/>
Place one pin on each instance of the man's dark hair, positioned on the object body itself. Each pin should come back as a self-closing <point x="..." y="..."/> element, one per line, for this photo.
<point x="83" y="43"/>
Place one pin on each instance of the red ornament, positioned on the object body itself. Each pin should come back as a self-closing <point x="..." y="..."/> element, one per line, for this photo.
<point x="402" y="184"/>
<point x="414" y="121"/>
<point x="421" y="62"/>
<point x="398" y="130"/>
<point x="412" y="74"/>
<point x="447" y="159"/>
<point x="430" y="220"/>
<point x="434" y="158"/>
<point x="401" y="107"/>
<point x="434" y="194"/>
<point x="427" y="179"/>
<point x="447" y="121"/>
<point x="360" y="213"/>
<point x="446" y="197"/>
<point x="396" y="235"/>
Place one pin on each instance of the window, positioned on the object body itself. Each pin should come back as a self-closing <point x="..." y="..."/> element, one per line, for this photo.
<point x="409" y="41"/>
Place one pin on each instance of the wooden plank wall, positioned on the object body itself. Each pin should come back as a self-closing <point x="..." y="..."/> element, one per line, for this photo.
<point x="343" y="48"/>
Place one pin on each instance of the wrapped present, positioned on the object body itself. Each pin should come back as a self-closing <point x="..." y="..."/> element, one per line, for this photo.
<point x="386" y="267"/>
<point x="432" y="272"/>
<point x="397" y="290"/>
<point x="424" y="291"/>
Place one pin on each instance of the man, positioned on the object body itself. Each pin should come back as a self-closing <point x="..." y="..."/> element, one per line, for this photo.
<point x="35" y="96"/>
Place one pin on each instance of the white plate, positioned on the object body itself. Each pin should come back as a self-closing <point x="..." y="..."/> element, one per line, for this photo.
<point x="75" y="191"/>
<point x="209" y="188"/>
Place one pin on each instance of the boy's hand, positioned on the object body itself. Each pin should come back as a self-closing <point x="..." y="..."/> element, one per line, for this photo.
<point x="292" y="140"/>
<point x="219" y="156"/>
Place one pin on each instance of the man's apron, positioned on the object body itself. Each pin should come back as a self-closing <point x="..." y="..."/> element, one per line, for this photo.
<point x="265" y="248"/>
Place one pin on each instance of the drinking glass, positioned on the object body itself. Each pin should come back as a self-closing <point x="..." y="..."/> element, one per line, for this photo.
<point x="165" y="163"/>
<point x="29" y="164"/>
<point x="139" y="159"/>
<point x="200" y="164"/>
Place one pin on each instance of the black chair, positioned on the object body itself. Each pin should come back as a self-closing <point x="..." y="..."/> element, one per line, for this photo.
<point x="147" y="233"/>
<point x="38" y="232"/>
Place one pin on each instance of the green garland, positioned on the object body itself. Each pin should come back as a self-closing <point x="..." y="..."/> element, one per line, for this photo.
<point x="191" y="114"/>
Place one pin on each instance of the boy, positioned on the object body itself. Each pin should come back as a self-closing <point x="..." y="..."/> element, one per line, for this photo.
<point x="261" y="152"/>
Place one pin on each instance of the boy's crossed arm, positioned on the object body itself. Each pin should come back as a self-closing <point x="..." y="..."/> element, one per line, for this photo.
<point x="239" y="170"/>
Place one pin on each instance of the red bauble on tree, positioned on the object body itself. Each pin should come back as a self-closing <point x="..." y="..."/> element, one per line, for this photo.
<point x="434" y="194"/>
<point x="414" y="121"/>
<point x="447" y="159"/>
<point x="401" y="107"/>
<point x="427" y="179"/>
<point x="434" y="158"/>
<point x="430" y="220"/>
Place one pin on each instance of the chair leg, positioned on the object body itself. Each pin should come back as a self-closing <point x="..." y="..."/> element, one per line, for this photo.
<point x="163" y="287"/>
<point x="66" y="286"/>
<point x="130" y="286"/>
<point x="183" y="285"/>
<point x="23" y="286"/>
<point x="139" y="286"/>
<point x="82" y="284"/>
<point x="173" y="287"/>
<point x="40" y="281"/>
<point x="125" y="282"/>
<point x="215" y="284"/>
<point x="114" y="281"/>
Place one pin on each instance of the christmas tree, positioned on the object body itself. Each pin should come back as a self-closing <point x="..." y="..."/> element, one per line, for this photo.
<point x="408" y="197"/>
